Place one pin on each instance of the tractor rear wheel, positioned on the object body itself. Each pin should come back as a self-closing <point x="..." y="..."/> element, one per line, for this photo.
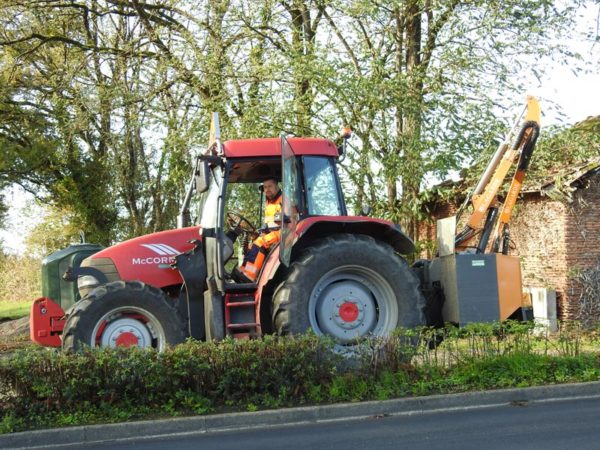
<point x="123" y="313"/>
<point x="347" y="287"/>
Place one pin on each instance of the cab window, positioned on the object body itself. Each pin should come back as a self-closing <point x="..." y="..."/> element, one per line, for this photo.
<point x="322" y="194"/>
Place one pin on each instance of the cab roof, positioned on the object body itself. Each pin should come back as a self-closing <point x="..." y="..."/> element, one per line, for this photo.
<point x="249" y="148"/>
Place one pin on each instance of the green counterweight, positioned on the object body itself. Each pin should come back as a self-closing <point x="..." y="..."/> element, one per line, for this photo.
<point x="55" y="265"/>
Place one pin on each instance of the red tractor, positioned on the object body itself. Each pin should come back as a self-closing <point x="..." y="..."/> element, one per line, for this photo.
<point x="339" y="275"/>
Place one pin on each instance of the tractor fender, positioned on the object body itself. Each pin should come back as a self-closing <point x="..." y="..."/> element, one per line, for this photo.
<point x="314" y="228"/>
<point x="382" y="230"/>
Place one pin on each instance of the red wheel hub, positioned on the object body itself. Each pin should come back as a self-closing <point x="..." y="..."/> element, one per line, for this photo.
<point x="127" y="339"/>
<point x="348" y="312"/>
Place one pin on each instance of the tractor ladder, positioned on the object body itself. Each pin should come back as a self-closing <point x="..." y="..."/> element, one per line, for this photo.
<point x="242" y="315"/>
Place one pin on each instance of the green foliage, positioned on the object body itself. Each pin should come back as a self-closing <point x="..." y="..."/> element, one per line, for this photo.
<point x="58" y="228"/>
<point x="41" y="388"/>
<point x="564" y="156"/>
<point x="20" y="279"/>
<point x="3" y="212"/>
<point x="425" y="113"/>
<point x="104" y="107"/>
<point x="565" y="148"/>
<point x="192" y="378"/>
<point x="245" y="199"/>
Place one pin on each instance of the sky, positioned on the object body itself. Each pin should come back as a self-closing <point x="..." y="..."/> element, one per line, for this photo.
<point x="576" y="95"/>
<point x="565" y="97"/>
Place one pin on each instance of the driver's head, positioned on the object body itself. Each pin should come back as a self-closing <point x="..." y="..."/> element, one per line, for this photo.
<point x="271" y="188"/>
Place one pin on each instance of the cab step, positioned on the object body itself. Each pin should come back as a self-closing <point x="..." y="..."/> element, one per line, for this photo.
<point x="242" y="317"/>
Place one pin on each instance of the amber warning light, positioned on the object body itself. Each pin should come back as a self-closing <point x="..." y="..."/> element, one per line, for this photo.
<point x="347" y="132"/>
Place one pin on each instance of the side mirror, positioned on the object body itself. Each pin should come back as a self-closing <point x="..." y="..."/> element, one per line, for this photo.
<point x="366" y="210"/>
<point x="202" y="176"/>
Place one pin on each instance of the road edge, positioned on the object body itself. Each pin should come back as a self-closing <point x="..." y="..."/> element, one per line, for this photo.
<point x="94" y="434"/>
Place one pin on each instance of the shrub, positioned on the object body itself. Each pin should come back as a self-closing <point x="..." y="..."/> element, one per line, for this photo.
<point x="47" y="388"/>
<point x="195" y="377"/>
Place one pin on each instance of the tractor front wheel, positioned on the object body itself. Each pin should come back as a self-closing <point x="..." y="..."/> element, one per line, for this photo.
<point x="123" y="314"/>
<point x="348" y="287"/>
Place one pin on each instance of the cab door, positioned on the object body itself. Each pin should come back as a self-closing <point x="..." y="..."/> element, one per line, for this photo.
<point x="290" y="202"/>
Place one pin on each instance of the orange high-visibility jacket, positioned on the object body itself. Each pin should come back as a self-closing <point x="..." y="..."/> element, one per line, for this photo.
<point x="273" y="212"/>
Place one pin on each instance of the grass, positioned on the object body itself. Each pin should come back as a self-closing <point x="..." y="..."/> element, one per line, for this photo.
<point x="14" y="310"/>
<point x="10" y="339"/>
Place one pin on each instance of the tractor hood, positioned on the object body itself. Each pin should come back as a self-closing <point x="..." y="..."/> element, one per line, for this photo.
<point x="146" y="258"/>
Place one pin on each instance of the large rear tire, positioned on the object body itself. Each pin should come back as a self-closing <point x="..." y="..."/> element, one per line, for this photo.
<point x="123" y="313"/>
<point x="347" y="287"/>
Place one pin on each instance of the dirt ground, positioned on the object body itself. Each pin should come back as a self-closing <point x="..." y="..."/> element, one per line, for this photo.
<point x="14" y="334"/>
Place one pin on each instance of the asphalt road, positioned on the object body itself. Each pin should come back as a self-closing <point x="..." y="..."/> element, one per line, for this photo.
<point x="556" y="424"/>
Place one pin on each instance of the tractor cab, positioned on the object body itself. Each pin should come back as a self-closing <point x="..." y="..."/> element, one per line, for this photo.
<point x="233" y="202"/>
<point x="229" y="182"/>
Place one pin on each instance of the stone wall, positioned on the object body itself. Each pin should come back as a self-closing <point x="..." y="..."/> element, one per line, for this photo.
<point x="555" y="239"/>
<point x="582" y="237"/>
<point x="538" y="237"/>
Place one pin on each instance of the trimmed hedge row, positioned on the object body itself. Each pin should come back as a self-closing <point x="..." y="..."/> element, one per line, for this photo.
<point x="45" y="388"/>
<point x="195" y="377"/>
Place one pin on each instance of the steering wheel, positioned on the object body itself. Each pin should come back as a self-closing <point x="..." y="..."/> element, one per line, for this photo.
<point x="236" y="221"/>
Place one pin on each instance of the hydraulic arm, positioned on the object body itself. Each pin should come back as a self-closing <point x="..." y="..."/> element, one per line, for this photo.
<point x="517" y="146"/>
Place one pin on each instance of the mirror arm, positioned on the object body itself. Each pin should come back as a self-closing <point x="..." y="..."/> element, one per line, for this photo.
<point x="183" y="218"/>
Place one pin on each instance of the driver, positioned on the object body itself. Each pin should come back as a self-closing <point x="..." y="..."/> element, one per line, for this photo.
<point x="270" y="234"/>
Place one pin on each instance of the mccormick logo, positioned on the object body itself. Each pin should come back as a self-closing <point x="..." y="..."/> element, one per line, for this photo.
<point x="165" y="254"/>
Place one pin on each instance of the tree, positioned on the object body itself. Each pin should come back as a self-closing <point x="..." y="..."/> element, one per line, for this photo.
<point x="107" y="100"/>
<point x="412" y="73"/>
<point x="52" y="144"/>
<point x="84" y="85"/>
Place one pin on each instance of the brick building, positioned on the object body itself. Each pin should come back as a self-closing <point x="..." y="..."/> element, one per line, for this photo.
<point x="555" y="231"/>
